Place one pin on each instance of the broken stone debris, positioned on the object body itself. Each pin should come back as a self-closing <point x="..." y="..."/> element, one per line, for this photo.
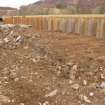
<point x="51" y="94"/>
<point x="10" y="40"/>
<point x="84" y="82"/>
<point x="102" y="85"/>
<point x="22" y="104"/>
<point x="75" y="86"/>
<point x="91" y="94"/>
<point x="46" y="103"/>
<point x="25" y="26"/>
<point x="85" y="99"/>
<point x="6" y="26"/>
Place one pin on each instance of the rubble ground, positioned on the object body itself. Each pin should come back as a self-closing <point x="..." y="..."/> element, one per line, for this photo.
<point x="50" y="68"/>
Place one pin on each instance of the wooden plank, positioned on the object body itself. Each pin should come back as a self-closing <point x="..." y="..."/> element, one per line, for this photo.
<point x="78" y="26"/>
<point x="56" y="24"/>
<point x="50" y="23"/>
<point x="100" y="29"/>
<point x="63" y="24"/>
<point x="92" y="26"/>
<point x="71" y="22"/>
<point x="45" y="24"/>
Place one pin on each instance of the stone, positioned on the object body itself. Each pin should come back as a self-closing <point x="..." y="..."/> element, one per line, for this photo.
<point x="13" y="100"/>
<point x="91" y="94"/>
<point x="26" y="47"/>
<point x="102" y="76"/>
<point x="101" y="68"/>
<point x="5" y="77"/>
<point x="70" y="64"/>
<point x="34" y="60"/>
<point x="9" y="101"/>
<point x="11" y="32"/>
<point x="102" y="85"/>
<point x="83" y="104"/>
<point x="70" y="81"/>
<point x="25" y="26"/>
<point x="16" y="79"/>
<point x="75" y="86"/>
<point x="46" y="103"/>
<point x="4" y="26"/>
<point x="36" y="73"/>
<point x="39" y="103"/>
<point x="51" y="94"/>
<point x="22" y="104"/>
<point x="101" y="58"/>
<point x="75" y="67"/>
<point x="18" y="38"/>
<point x="6" y="82"/>
<point x="85" y="99"/>
<point x="6" y="40"/>
<point x="84" y="82"/>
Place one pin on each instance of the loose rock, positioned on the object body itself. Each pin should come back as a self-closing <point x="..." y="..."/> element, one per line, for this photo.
<point x="84" y="82"/>
<point x="51" y="94"/>
<point x="102" y="85"/>
<point x="91" y="94"/>
<point x="46" y="103"/>
<point x="85" y="98"/>
<point x="75" y="86"/>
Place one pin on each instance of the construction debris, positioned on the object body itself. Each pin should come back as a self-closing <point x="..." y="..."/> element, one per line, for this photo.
<point x="51" y="94"/>
<point x="85" y="98"/>
<point x="75" y="86"/>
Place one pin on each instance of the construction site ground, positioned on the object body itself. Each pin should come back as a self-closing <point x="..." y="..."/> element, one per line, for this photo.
<point x="50" y="68"/>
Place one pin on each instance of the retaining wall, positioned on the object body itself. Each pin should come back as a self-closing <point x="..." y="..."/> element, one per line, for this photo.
<point x="90" y="25"/>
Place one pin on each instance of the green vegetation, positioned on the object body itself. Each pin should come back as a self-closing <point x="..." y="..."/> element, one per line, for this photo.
<point x="60" y="6"/>
<point x="73" y="9"/>
<point x="99" y="10"/>
<point x="60" y="9"/>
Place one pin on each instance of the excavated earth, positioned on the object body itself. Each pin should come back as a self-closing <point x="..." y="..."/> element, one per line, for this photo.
<point x="50" y="68"/>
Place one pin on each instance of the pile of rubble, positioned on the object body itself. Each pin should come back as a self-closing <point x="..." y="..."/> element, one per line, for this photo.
<point x="10" y="39"/>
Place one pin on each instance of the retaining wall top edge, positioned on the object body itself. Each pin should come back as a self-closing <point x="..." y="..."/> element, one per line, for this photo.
<point x="83" y="16"/>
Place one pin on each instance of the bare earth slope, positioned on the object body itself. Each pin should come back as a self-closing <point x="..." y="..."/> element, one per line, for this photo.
<point x="84" y="5"/>
<point x="50" y="68"/>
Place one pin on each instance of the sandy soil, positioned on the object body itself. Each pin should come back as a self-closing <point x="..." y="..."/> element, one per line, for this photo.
<point x="50" y="68"/>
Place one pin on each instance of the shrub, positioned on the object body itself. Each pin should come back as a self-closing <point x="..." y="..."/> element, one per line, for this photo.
<point x="60" y="6"/>
<point x="99" y="10"/>
<point x="73" y="9"/>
